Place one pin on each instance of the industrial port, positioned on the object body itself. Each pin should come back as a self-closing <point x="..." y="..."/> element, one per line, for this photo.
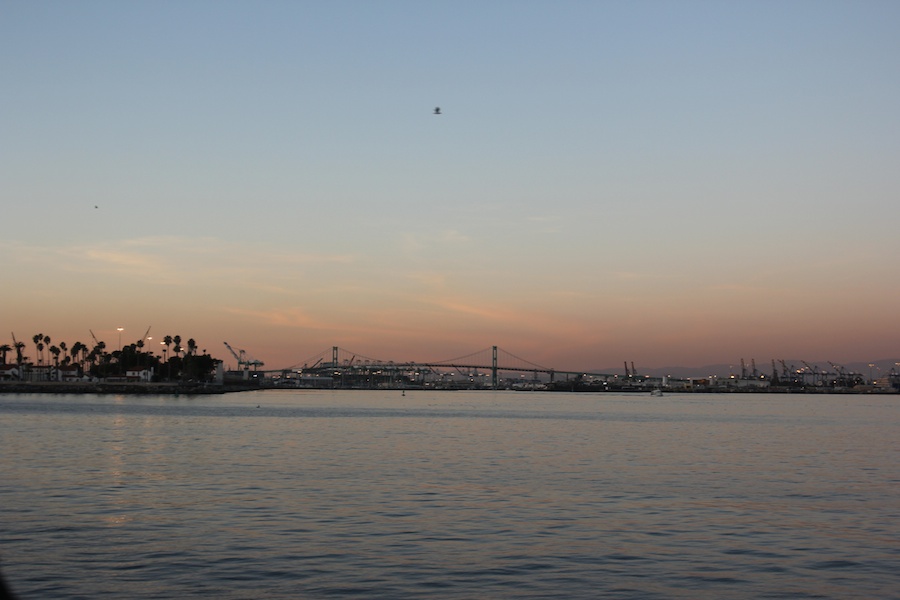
<point x="495" y="369"/>
<point x="186" y="369"/>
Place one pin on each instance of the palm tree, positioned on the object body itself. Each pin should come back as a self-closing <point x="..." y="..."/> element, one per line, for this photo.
<point x="76" y="349"/>
<point x="140" y="351"/>
<point x="83" y="349"/>
<point x="37" y="339"/>
<point x="47" y="342"/>
<point x="54" y="350"/>
<point x="168" y="342"/>
<point x="64" y="349"/>
<point x="3" y="350"/>
<point x="19" y="358"/>
<point x="192" y="346"/>
<point x="177" y="341"/>
<point x="98" y="353"/>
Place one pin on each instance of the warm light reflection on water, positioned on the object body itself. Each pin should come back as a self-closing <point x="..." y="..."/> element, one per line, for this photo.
<point x="456" y="495"/>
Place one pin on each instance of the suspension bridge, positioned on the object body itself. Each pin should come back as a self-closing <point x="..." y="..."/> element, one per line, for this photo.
<point x="343" y="368"/>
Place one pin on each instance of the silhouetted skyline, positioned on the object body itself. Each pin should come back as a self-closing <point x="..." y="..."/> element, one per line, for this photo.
<point x="670" y="183"/>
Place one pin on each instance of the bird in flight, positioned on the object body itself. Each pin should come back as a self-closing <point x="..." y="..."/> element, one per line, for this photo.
<point x="437" y="110"/>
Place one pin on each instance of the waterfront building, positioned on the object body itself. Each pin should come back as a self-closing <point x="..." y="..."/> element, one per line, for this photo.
<point x="10" y="373"/>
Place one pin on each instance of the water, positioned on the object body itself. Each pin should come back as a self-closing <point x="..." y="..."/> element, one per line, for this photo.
<point x="450" y="495"/>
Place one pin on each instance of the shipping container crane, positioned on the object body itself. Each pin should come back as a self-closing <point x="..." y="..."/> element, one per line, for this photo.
<point x="814" y="371"/>
<point x="17" y="346"/>
<point x="841" y="377"/>
<point x="244" y="360"/>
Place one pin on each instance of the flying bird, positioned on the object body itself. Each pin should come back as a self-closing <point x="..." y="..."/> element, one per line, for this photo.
<point x="437" y="110"/>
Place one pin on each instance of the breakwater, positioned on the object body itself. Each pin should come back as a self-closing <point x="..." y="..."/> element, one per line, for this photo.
<point x="45" y="387"/>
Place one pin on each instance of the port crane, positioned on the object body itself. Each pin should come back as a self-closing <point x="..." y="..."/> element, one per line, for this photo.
<point x="18" y="348"/>
<point x="791" y="373"/>
<point x="96" y="341"/>
<point x="814" y="371"/>
<point x="844" y="377"/>
<point x="244" y="361"/>
<point x="753" y="373"/>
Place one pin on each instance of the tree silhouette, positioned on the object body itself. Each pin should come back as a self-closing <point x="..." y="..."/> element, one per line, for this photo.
<point x="19" y="357"/>
<point x="78" y="348"/>
<point x="186" y="364"/>
<point x="38" y="346"/>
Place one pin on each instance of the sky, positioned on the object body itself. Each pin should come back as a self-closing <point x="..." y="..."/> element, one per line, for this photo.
<point x="667" y="183"/>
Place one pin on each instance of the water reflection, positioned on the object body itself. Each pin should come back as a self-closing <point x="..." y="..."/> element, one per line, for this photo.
<point x="449" y="495"/>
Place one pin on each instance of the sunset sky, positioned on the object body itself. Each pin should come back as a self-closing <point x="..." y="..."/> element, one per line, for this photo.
<point x="668" y="183"/>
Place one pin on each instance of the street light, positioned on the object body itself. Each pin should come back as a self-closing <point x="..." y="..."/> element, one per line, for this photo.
<point x="120" y="330"/>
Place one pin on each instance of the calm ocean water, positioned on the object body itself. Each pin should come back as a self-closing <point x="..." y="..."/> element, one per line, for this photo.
<point x="450" y="495"/>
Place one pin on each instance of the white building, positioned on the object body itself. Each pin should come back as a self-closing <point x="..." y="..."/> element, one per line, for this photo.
<point x="10" y="373"/>
<point x="143" y="375"/>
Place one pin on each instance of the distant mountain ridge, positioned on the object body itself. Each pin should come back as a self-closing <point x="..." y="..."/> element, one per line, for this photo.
<point x="881" y="368"/>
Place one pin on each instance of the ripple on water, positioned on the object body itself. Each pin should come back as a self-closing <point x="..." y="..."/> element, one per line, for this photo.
<point x="590" y="497"/>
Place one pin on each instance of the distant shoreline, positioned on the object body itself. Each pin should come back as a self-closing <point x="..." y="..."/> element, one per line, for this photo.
<point x="200" y="389"/>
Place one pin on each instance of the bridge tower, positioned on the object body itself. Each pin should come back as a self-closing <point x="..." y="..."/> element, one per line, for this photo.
<point x="494" y="380"/>
<point x="334" y="356"/>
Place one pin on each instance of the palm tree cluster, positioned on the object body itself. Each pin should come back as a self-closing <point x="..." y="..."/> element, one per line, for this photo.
<point x="184" y="362"/>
